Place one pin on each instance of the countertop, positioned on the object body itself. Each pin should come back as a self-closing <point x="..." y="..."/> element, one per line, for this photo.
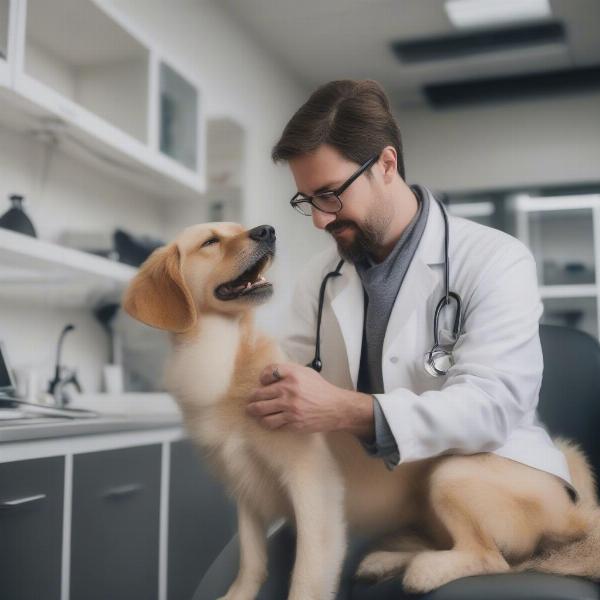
<point x="114" y="413"/>
<point x="32" y="428"/>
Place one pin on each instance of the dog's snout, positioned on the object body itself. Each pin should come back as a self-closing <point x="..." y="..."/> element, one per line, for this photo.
<point x="263" y="233"/>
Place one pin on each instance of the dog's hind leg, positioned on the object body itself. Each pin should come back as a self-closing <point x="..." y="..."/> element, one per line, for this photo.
<point x="462" y="507"/>
<point x="253" y="555"/>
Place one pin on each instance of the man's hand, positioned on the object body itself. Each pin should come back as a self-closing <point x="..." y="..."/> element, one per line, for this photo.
<point x="301" y="400"/>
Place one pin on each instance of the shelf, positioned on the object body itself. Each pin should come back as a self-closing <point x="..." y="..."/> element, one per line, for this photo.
<point x="96" y="92"/>
<point x="569" y="291"/>
<point x="37" y="271"/>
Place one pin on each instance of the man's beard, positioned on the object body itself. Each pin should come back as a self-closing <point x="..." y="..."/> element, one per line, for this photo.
<point x="367" y="241"/>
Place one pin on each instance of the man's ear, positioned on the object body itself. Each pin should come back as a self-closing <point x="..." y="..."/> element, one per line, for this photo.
<point x="158" y="294"/>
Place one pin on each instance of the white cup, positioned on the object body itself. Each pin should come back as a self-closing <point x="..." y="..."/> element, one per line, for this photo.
<point x="113" y="379"/>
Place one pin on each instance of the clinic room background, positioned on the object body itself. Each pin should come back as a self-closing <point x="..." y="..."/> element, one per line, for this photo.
<point x="123" y="121"/>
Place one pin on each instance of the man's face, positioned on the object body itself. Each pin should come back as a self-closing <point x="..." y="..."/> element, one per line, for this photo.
<point x="360" y="227"/>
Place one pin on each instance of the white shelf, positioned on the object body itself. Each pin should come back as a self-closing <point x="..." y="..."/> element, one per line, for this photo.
<point x="470" y="210"/>
<point x="35" y="271"/>
<point x="96" y="91"/>
<point x="560" y="230"/>
<point x="569" y="291"/>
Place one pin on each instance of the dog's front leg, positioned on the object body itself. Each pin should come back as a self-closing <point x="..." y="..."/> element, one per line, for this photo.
<point x="317" y="495"/>
<point x="253" y="555"/>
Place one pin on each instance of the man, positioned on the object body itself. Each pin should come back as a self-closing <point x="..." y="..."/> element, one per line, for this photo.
<point x="378" y="314"/>
<point x="344" y="150"/>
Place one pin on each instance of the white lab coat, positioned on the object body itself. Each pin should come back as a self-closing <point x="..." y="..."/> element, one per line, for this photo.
<point x="488" y="399"/>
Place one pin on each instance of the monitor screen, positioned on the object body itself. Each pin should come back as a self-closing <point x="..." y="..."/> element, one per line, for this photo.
<point x="6" y="379"/>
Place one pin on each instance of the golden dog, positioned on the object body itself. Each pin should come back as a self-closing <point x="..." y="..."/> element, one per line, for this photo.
<point x="445" y="518"/>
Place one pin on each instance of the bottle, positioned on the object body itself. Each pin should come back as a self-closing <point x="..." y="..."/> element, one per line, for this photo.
<point x="15" y="217"/>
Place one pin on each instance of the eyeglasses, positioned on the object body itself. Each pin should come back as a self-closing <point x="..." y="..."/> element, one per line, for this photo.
<point x="328" y="202"/>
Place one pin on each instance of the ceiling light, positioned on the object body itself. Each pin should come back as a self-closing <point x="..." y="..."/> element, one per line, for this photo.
<point x="478" y="13"/>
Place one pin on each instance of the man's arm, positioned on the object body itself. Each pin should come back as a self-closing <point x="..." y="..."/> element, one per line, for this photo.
<point x="497" y="374"/>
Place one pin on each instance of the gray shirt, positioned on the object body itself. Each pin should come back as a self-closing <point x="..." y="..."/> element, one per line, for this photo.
<point x="381" y="284"/>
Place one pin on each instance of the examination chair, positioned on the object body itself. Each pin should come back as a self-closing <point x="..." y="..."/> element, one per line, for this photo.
<point x="569" y="406"/>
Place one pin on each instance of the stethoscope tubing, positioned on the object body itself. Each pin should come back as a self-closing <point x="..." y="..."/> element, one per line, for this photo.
<point x="317" y="363"/>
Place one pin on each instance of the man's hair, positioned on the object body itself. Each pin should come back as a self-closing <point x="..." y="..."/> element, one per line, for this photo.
<point x="352" y="116"/>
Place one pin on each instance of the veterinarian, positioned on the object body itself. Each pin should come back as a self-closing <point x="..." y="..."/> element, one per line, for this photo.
<point x="377" y="379"/>
<point x="378" y="314"/>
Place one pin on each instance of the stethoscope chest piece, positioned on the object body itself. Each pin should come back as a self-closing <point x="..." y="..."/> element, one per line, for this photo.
<point x="438" y="361"/>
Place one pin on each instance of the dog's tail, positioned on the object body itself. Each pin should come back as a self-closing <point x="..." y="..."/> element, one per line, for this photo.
<point x="579" y="557"/>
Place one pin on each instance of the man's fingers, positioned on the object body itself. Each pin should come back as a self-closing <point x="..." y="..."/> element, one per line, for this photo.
<point x="264" y="407"/>
<point x="274" y="421"/>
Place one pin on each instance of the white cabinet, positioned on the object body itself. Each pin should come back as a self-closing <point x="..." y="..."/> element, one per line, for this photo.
<point x="178" y="116"/>
<point x="563" y="234"/>
<point x="82" y="72"/>
<point x="6" y="47"/>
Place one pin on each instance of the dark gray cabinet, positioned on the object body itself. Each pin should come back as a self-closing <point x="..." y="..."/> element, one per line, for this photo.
<point x="31" y="523"/>
<point x="201" y="521"/>
<point x="115" y="524"/>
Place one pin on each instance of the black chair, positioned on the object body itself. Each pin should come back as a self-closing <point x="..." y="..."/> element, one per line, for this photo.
<point x="569" y="406"/>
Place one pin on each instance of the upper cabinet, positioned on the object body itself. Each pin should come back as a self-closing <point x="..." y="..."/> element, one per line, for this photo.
<point x="81" y="72"/>
<point x="5" y="13"/>
<point x="80" y="58"/>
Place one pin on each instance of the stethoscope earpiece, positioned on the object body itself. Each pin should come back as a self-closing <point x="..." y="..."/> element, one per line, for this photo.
<point x="439" y="359"/>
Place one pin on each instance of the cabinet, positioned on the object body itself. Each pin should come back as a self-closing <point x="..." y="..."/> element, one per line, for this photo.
<point x="563" y="234"/>
<point x="201" y="521"/>
<point x="115" y="516"/>
<point x="80" y="72"/>
<point x="115" y="524"/>
<point x="31" y="528"/>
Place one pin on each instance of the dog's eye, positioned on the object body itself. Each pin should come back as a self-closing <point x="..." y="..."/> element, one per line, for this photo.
<point x="211" y="241"/>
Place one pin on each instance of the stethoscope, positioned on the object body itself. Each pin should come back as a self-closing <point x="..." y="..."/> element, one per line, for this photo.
<point x="439" y="359"/>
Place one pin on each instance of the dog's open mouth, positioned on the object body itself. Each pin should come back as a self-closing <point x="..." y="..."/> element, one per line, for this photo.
<point x="250" y="282"/>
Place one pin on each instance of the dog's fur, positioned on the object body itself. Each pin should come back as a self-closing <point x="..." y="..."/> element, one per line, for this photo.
<point x="444" y="518"/>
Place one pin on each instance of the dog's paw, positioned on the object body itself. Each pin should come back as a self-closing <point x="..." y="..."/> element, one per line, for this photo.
<point x="381" y="564"/>
<point x="430" y="570"/>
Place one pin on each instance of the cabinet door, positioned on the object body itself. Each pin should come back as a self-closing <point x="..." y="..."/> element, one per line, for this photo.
<point x="201" y="521"/>
<point x="31" y="522"/>
<point x="115" y="524"/>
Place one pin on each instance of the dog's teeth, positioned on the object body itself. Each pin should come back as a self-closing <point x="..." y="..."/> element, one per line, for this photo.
<point x="248" y="285"/>
<point x="261" y="278"/>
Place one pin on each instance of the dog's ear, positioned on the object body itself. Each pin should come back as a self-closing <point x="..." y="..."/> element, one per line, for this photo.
<point x="158" y="294"/>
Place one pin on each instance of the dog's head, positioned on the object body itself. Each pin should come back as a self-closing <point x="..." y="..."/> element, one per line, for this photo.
<point x="214" y="267"/>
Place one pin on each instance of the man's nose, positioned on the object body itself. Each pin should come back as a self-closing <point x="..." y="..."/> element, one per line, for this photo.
<point x="322" y="219"/>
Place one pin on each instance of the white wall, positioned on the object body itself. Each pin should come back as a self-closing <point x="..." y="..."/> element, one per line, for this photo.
<point x="239" y="81"/>
<point x="552" y="141"/>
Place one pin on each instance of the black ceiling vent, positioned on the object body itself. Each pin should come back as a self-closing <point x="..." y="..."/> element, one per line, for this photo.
<point x="534" y="85"/>
<point x="478" y="42"/>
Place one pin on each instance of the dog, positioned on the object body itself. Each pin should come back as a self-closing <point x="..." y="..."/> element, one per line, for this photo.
<point x="440" y="519"/>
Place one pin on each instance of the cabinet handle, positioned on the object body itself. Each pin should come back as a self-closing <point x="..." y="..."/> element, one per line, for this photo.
<point x="123" y="490"/>
<point x="21" y="501"/>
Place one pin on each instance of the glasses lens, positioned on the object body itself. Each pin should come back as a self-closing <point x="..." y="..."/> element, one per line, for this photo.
<point x="304" y="207"/>
<point x="328" y="203"/>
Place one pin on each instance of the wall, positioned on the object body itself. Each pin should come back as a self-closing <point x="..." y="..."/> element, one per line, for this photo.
<point x="534" y="142"/>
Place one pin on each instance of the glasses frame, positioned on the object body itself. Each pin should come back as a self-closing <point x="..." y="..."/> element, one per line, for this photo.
<point x="299" y="198"/>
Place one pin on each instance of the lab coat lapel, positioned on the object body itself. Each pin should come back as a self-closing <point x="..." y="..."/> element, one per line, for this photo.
<point x="348" y="306"/>
<point x="420" y="279"/>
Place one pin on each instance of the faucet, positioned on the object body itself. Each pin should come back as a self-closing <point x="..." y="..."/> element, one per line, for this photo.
<point x="62" y="375"/>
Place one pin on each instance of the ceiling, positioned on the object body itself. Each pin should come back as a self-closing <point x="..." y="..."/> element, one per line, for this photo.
<point x="321" y="40"/>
